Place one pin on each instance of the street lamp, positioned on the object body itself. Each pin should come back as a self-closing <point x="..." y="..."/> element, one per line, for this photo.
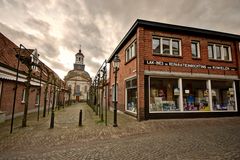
<point x="116" y="61"/>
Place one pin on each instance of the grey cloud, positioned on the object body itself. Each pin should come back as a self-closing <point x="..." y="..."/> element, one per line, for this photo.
<point x="84" y="20"/>
<point x="54" y="63"/>
<point x="40" y="25"/>
<point x="16" y="36"/>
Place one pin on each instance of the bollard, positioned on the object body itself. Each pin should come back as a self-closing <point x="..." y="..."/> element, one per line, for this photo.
<point x="52" y="120"/>
<point x="80" y="118"/>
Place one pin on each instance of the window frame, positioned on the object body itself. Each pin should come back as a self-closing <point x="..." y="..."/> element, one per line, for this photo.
<point x="180" y="86"/>
<point x="214" y="50"/>
<point x="171" y="40"/>
<point x="197" y="45"/>
<point x="130" y="52"/>
<point x="126" y="89"/>
<point x="23" y="95"/>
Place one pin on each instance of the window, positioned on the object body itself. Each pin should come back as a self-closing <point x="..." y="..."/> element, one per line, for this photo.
<point x="219" y="52"/>
<point x="210" y="52"/>
<point x="23" y="95"/>
<point x="85" y="89"/>
<point x="175" y="47"/>
<point x="223" y="95"/>
<point x="195" y="95"/>
<point x="164" y="95"/>
<point x="37" y="98"/>
<point x="130" y="52"/>
<point x="225" y="53"/>
<point x="156" y="45"/>
<point x="77" y="91"/>
<point x="131" y="95"/>
<point x="113" y="93"/>
<point x="166" y="46"/>
<point x="195" y="49"/>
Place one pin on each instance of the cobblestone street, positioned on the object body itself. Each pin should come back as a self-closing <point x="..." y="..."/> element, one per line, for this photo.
<point x="212" y="138"/>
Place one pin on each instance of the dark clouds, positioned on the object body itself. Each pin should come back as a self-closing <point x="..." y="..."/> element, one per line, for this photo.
<point x="99" y="25"/>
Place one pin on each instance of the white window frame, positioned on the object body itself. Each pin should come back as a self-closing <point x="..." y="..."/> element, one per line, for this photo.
<point x="221" y="52"/>
<point x="130" y="52"/>
<point x="198" y="48"/>
<point x="170" y="47"/>
<point x="23" y="95"/>
<point x="180" y="86"/>
<point x="130" y="79"/>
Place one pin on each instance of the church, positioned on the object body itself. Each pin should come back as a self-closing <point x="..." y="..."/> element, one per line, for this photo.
<point x="78" y="80"/>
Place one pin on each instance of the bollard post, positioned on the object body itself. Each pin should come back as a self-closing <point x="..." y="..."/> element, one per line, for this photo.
<point x="52" y="120"/>
<point x="80" y="118"/>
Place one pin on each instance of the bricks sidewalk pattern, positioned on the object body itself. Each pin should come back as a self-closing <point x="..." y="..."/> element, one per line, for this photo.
<point x="215" y="138"/>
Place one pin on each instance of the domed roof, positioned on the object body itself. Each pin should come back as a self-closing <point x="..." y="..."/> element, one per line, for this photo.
<point x="77" y="73"/>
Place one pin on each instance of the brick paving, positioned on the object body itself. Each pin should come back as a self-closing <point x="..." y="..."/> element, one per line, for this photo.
<point x="212" y="138"/>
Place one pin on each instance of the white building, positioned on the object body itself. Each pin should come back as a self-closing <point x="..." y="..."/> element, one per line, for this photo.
<point x="78" y="79"/>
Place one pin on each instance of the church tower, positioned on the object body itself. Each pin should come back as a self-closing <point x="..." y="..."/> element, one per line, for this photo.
<point x="79" y="61"/>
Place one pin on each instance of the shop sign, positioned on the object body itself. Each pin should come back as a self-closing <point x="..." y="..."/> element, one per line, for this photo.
<point x="176" y="92"/>
<point x="188" y="65"/>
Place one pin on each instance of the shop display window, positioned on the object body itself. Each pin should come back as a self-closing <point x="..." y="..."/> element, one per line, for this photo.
<point x="164" y="95"/>
<point x="131" y="95"/>
<point x="223" y="95"/>
<point x="195" y="95"/>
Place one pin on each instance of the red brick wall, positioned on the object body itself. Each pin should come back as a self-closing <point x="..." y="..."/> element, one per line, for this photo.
<point x="187" y="55"/>
<point x="8" y="95"/>
<point x="126" y="70"/>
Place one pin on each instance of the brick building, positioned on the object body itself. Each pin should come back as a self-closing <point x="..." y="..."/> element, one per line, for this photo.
<point x="169" y="71"/>
<point x="8" y="68"/>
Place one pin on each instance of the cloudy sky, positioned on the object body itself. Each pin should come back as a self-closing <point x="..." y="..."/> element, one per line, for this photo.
<point x="57" y="27"/>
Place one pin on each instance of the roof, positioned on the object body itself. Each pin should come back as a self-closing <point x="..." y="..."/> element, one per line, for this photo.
<point x="80" y="53"/>
<point x="170" y="27"/>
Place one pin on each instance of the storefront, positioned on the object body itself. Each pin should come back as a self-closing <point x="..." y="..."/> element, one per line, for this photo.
<point x="169" y="71"/>
<point x="191" y="95"/>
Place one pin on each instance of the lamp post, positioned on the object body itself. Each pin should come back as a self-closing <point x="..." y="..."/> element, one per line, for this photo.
<point x="116" y="62"/>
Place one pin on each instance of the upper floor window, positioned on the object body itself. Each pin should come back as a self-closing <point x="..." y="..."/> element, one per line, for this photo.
<point x="195" y="49"/>
<point x="219" y="52"/>
<point x="166" y="46"/>
<point x="130" y="52"/>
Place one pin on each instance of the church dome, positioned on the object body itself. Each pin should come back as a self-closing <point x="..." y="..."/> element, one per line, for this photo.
<point x="77" y="73"/>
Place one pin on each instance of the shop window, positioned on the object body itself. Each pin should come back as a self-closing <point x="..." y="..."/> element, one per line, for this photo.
<point x="195" y="95"/>
<point x="195" y="49"/>
<point x="219" y="52"/>
<point x="166" y="46"/>
<point x="131" y="95"/>
<point x="113" y="92"/>
<point x="223" y="95"/>
<point x="164" y="95"/>
<point x="130" y="52"/>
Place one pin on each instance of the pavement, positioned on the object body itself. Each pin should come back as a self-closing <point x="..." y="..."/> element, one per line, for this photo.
<point x="205" y="138"/>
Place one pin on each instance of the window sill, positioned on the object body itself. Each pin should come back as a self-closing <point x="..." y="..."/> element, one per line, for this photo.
<point x="131" y="113"/>
<point x="219" y="60"/>
<point x="130" y="60"/>
<point x="166" y="55"/>
<point x="22" y="102"/>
